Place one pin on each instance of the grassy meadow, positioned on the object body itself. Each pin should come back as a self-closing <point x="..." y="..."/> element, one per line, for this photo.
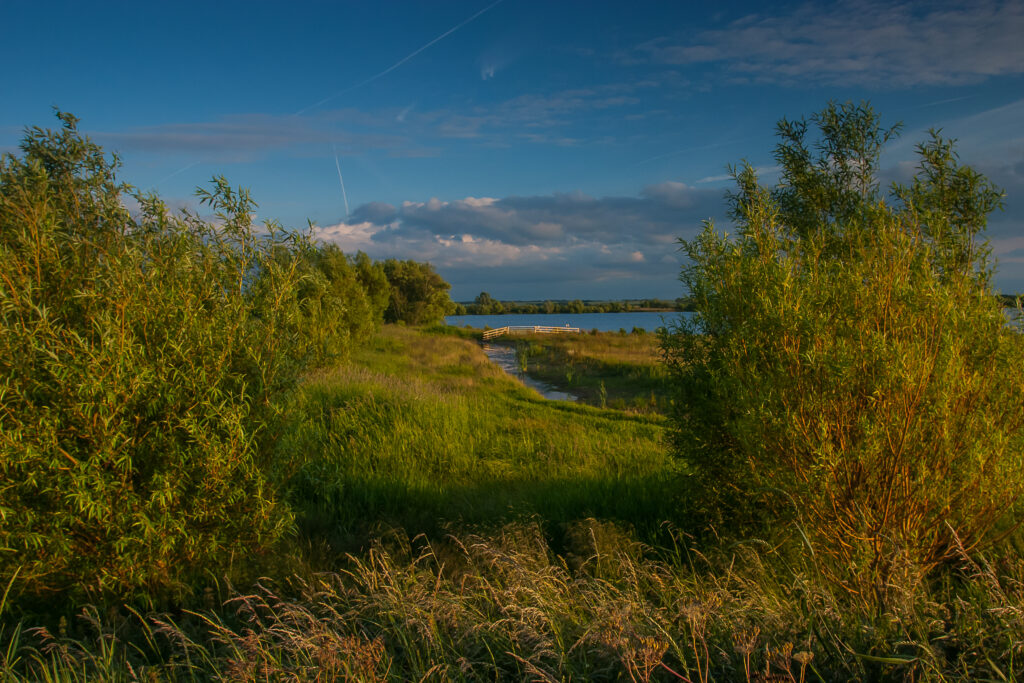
<point x="422" y="430"/>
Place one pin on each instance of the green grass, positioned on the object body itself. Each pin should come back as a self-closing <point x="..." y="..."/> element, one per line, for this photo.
<point x="422" y="430"/>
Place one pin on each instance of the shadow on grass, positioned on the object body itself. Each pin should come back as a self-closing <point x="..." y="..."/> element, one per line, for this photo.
<point x="352" y="517"/>
<point x="584" y="409"/>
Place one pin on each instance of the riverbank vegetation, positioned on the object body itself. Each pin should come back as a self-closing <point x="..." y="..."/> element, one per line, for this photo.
<point x="521" y="566"/>
<point x="421" y="430"/>
<point x="145" y="357"/>
<point x="189" y="405"/>
<point x="616" y="370"/>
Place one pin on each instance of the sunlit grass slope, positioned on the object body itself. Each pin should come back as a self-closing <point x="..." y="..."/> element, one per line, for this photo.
<point x="422" y="430"/>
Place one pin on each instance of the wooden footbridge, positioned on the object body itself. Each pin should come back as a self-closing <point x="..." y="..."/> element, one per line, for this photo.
<point x="527" y="329"/>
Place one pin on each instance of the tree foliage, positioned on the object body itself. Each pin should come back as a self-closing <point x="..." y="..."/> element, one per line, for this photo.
<point x="419" y="296"/>
<point x="143" y="359"/>
<point x="343" y="299"/>
<point x="848" y="365"/>
<point x="485" y="304"/>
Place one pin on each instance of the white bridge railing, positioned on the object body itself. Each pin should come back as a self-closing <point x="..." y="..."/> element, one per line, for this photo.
<point x="538" y="329"/>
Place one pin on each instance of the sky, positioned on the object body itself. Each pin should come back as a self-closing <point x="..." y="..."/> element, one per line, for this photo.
<point x="532" y="149"/>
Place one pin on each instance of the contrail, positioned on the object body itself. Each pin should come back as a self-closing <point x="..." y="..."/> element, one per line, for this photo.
<point x="180" y="170"/>
<point x="402" y="61"/>
<point x="341" y="180"/>
<point x="955" y="99"/>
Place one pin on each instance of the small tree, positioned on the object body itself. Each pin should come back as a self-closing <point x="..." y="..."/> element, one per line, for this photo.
<point x="419" y="296"/>
<point x="483" y="300"/>
<point x="341" y="299"/>
<point x="848" y="364"/>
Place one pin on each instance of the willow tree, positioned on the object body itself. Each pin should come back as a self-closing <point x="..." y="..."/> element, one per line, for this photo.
<point x="848" y="367"/>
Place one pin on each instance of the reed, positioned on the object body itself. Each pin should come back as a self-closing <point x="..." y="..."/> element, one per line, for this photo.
<point x="504" y="605"/>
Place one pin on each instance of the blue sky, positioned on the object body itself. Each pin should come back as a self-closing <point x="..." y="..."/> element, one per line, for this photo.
<point x="533" y="149"/>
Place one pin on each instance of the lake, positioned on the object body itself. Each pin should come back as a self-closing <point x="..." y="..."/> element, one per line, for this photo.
<point x="605" y="322"/>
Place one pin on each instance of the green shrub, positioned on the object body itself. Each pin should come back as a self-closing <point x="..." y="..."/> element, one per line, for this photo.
<point x="419" y="296"/>
<point x="142" y="362"/>
<point x="848" y="365"/>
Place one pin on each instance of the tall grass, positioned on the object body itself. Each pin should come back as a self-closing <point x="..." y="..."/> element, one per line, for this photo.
<point x="422" y="428"/>
<point x="505" y="606"/>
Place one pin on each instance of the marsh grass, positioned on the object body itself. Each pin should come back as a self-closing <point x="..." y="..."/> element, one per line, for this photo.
<point x="605" y="369"/>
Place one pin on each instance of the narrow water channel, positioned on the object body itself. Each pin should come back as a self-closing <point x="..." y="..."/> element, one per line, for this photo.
<point x="505" y="358"/>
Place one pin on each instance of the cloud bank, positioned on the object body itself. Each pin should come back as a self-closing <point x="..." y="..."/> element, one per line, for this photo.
<point x="549" y="246"/>
<point x="569" y="245"/>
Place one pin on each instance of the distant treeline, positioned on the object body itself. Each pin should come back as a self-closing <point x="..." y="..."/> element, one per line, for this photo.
<point x="485" y="304"/>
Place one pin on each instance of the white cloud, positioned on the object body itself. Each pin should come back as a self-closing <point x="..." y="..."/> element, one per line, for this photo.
<point x="714" y="178"/>
<point x="479" y="201"/>
<point x="351" y="237"/>
<point x="574" y="244"/>
<point x="401" y="116"/>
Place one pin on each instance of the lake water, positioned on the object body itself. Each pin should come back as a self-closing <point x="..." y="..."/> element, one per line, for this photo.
<point x="605" y="322"/>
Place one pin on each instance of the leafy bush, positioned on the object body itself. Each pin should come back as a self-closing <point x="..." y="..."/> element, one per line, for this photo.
<point x="848" y="365"/>
<point x="142" y="362"/>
